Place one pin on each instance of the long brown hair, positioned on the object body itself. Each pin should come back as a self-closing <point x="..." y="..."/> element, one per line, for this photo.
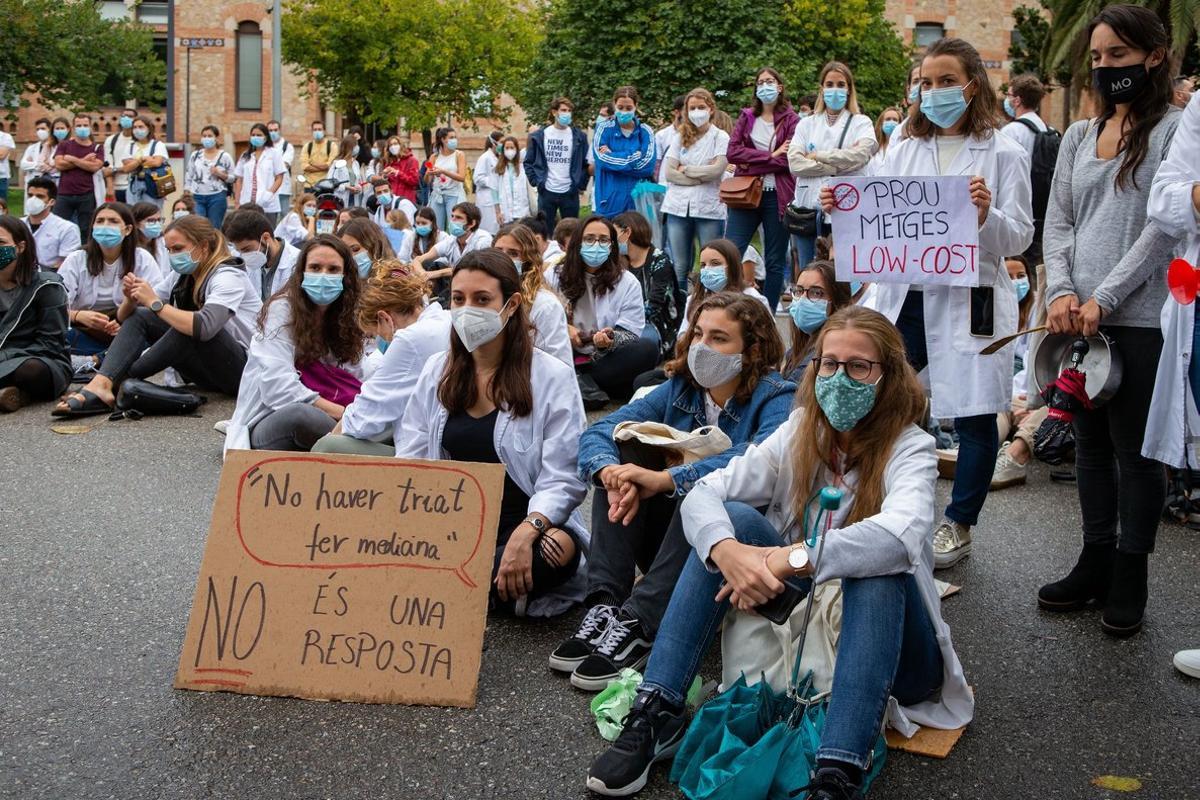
<point x="502" y="161"/>
<point x="839" y="297"/>
<point x="762" y="349"/>
<point x="780" y="102"/>
<point x="27" y="263"/>
<point x="391" y="288"/>
<point x="128" y="246"/>
<point x="899" y="402"/>
<point x="509" y="387"/>
<point x="370" y="236"/>
<point x="531" y="260"/>
<point x="201" y="233"/>
<point x="573" y="273"/>
<point x="734" y="280"/>
<point x="983" y="110"/>
<point x="336" y="331"/>
<point x="689" y="134"/>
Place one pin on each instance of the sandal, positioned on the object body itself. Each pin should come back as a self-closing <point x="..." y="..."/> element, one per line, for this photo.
<point x="89" y="406"/>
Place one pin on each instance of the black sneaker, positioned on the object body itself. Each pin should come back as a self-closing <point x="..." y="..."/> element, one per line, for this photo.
<point x="652" y="732"/>
<point x="571" y="653"/>
<point x="830" y="783"/>
<point x="624" y="645"/>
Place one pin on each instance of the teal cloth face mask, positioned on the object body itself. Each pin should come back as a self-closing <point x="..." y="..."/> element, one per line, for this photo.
<point x="844" y="400"/>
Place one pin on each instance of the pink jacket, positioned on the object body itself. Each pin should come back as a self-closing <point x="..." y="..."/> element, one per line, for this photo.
<point x="749" y="160"/>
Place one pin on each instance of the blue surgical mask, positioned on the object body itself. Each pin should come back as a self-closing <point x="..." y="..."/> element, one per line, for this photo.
<point x="623" y="248"/>
<point x="423" y="230"/>
<point x="914" y="93"/>
<point x="61" y="134"/>
<point x="183" y="263"/>
<point x="452" y="144"/>
<point x="382" y="344"/>
<point x="126" y="123"/>
<point x="310" y="211"/>
<point x="767" y="92"/>
<point x="375" y="152"/>
<point x="889" y="126"/>
<point x="835" y="99"/>
<point x="809" y="314"/>
<point x="594" y="255"/>
<point x="625" y="117"/>
<point x="1021" y="285"/>
<point x="362" y="260"/>
<point x="844" y="400"/>
<point x="354" y="153"/>
<point x="275" y="137"/>
<point x="321" y="287"/>
<point x="457" y="228"/>
<point x="107" y="235"/>
<point x="944" y="107"/>
<point x="141" y="134"/>
<point x="153" y="230"/>
<point x="83" y="131"/>
<point x="1008" y="108"/>
<point x="208" y="142"/>
<point x="318" y="135"/>
<point x="713" y="278"/>
<point x="385" y="200"/>
<point x="564" y="118"/>
<point x="257" y="141"/>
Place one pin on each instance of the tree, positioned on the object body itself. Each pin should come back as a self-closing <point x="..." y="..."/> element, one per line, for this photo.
<point x="1027" y="52"/>
<point x="1065" y="44"/>
<point x="416" y="59"/>
<point x="68" y="55"/>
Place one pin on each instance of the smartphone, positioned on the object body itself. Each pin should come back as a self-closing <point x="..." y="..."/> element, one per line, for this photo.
<point x="983" y="318"/>
<point x="779" y="607"/>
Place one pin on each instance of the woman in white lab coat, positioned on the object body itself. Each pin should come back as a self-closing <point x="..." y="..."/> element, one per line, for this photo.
<point x="495" y="398"/>
<point x="546" y="313"/>
<point x="854" y="430"/>
<point x="953" y="132"/>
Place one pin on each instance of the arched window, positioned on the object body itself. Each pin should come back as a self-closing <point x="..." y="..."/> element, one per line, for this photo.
<point x="249" y="67"/>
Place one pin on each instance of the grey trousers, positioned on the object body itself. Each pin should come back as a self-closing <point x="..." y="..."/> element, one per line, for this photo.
<point x="294" y="427"/>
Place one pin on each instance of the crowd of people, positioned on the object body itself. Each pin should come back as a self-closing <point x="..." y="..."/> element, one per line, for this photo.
<point x="421" y="324"/>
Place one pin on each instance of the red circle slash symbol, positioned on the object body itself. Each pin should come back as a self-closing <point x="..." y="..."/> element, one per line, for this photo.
<point x="845" y="197"/>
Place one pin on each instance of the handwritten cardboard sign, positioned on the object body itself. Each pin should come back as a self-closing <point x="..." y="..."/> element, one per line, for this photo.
<point x="906" y="230"/>
<point x="345" y="578"/>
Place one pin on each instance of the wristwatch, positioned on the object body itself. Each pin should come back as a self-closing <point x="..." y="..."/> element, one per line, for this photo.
<point x="537" y="523"/>
<point x="798" y="558"/>
<point x="156" y="306"/>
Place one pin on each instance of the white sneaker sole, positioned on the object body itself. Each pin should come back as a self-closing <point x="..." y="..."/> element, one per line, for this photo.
<point x="565" y="664"/>
<point x="1191" y="670"/>
<point x="600" y="684"/>
<point x="596" y="785"/>
<point x="947" y="560"/>
<point x="1007" y="482"/>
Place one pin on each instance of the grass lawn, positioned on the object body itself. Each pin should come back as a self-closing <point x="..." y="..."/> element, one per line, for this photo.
<point x="16" y="201"/>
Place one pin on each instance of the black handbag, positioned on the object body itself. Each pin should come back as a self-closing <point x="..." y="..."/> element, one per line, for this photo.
<point x="149" y="399"/>
<point x="803" y="221"/>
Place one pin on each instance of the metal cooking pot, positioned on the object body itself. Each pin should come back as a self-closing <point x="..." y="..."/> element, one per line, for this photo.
<point x="1101" y="364"/>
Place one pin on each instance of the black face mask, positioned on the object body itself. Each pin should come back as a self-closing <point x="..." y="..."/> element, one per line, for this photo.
<point x="1120" y="84"/>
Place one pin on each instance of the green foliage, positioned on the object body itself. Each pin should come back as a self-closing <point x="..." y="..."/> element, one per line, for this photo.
<point x="666" y="49"/>
<point x="1031" y="34"/>
<point x="417" y="59"/>
<point x="1066" y="48"/>
<point x="67" y="54"/>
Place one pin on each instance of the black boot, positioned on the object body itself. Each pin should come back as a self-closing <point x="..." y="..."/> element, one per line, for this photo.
<point x="1127" y="599"/>
<point x="1088" y="580"/>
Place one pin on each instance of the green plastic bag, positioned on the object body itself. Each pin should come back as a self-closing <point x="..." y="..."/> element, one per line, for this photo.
<point x="612" y="705"/>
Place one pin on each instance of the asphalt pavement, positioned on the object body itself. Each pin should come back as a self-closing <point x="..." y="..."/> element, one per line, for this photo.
<point x="101" y="535"/>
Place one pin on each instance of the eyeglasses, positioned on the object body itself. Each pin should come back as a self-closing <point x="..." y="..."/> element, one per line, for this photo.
<point x="812" y="292"/>
<point x="858" y="369"/>
<point x="604" y="240"/>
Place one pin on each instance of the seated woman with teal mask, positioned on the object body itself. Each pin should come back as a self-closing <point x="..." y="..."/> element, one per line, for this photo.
<point x="816" y="295"/>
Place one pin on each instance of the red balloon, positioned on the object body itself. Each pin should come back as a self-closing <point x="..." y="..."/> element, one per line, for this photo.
<point x="1184" y="281"/>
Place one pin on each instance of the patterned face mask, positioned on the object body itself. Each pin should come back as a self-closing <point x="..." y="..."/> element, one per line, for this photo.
<point x="844" y="400"/>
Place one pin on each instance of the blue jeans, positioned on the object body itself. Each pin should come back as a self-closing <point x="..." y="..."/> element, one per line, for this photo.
<point x="212" y="207"/>
<point x="806" y="249"/>
<point x="137" y="193"/>
<point x="978" y="438"/>
<point x="740" y="228"/>
<point x="681" y="231"/>
<point x="1194" y="364"/>
<point x="4" y="189"/>
<point x="555" y="204"/>
<point x="80" y="344"/>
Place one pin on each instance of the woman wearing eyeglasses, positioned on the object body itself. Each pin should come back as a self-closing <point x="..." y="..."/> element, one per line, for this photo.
<point x="816" y="296"/>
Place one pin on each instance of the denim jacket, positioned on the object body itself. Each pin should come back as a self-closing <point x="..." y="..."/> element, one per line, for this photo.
<point x="681" y="405"/>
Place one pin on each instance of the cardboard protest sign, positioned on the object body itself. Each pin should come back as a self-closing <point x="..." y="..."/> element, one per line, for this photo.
<point x="906" y="230"/>
<point x="345" y="578"/>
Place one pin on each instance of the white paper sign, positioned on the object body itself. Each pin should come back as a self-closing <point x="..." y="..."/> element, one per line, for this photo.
<point x="906" y="230"/>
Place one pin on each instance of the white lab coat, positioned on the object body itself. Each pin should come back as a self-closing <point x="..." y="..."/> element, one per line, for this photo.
<point x="227" y="286"/>
<point x="380" y="405"/>
<point x="283" y="273"/>
<point x="763" y="476"/>
<point x="964" y="383"/>
<point x="549" y="320"/>
<point x="87" y="292"/>
<point x="539" y="452"/>
<point x="487" y="190"/>
<point x="514" y="195"/>
<point x="1173" y="425"/>
<point x="620" y="307"/>
<point x="814" y="134"/>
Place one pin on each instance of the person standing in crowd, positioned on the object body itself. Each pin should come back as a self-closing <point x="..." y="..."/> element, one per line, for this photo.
<point x="487" y="183"/>
<point x="116" y="147"/>
<point x="758" y="147"/>
<point x="399" y="165"/>
<point x="1021" y="104"/>
<point x="603" y="114"/>
<point x="347" y="173"/>
<point x="953" y="132"/>
<point x="625" y="154"/>
<point x="259" y="173"/>
<point x="495" y="398"/>
<point x="816" y="296"/>
<point x="693" y="166"/>
<point x="555" y="162"/>
<point x="55" y="237"/>
<point x="1105" y="272"/>
<point x="316" y="157"/>
<point x="300" y="223"/>
<point x="209" y="172"/>
<point x="447" y="175"/>
<point x="510" y="183"/>
<point x="305" y="360"/>
<point x="269" y="261"/>
<point x="143" y="153"/>
<point x="855" y="429"/>
<point x="663" y="136"/>
<point x="885" y="125"/>
<point x="546" y="314"/>
<point x="198" y="321"/>
<point x="34" y="363"/>
<point x="661" y="295"/>
<point x="1183" y="88"/>
<point x="77" y="160"/>
<point x="1175" y="208"/>
<point x="38" y="159"/>
<point x="725" y="376"/>
<point x="605" y="310"/>
<point x="836" y="141"/>
<point x="287" y="153"/>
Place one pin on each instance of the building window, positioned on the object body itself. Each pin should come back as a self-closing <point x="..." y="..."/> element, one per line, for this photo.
<point x="152" y="12"/>
<point x="114" y="10"/>
<point x="926" y="33"/>
<point x="249" y="67"/>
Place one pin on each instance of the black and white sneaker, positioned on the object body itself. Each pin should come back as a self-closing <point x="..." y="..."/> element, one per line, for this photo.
<point x="624" y="645"/>
<point x="830" y="783"/>
<point x="652" y="732"/>
<point x="571" y="653"/>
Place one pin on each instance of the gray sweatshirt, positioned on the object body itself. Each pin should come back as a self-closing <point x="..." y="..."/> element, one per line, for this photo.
<point x="1097" y="242"/>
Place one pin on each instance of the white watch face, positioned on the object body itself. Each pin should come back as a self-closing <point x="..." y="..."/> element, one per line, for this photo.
<point x="798" y="558"/>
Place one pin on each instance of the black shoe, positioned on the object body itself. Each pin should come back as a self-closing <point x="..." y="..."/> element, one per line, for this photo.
<point x="652" y="732"/>
<point x="1126" y="603"/>
<point x="624" y="645"/>
<point x="1088" y="580"/>
<point x="571" y="653"/>
<point x="830" y="783"/>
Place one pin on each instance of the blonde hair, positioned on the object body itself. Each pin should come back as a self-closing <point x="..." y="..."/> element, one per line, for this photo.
<point x="200" y="232"/>
<point x="392" y="287"/>
<point x="689" y="134"/>
<point x="851" y="92"/>
<point x="531" y="260"/>
<point x="301" y="200"/>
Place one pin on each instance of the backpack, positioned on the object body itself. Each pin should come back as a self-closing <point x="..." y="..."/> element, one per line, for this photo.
<point x="1041" y="166"/>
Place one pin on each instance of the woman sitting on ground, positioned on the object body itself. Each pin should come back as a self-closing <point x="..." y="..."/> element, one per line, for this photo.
<point x="816" y="296"/>
<point x="35" y="364"/>
<point x="725" y="376"/>
<point x="1018" y="426"/>
<point x="652" y="267"/>
<point x="855" y="429"/>
<point x="546" y="314"/>
<point x="720" y="271"/>
<point x="300" y="223"/>
<point x="408" y="330"/>
<point x="305" y="360"/>
<point x="198" y="321"/>
<point x="495" y="398"/>
<point x="148" y="223"/>
<point x="367" y="244"/>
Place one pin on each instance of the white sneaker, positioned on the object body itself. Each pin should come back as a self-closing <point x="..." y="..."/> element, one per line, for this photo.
<point x="221" y="425"/>
<point x="1188" y="662"/>
<point x="1008" y="472"/>
<point x="951" y="544"/>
